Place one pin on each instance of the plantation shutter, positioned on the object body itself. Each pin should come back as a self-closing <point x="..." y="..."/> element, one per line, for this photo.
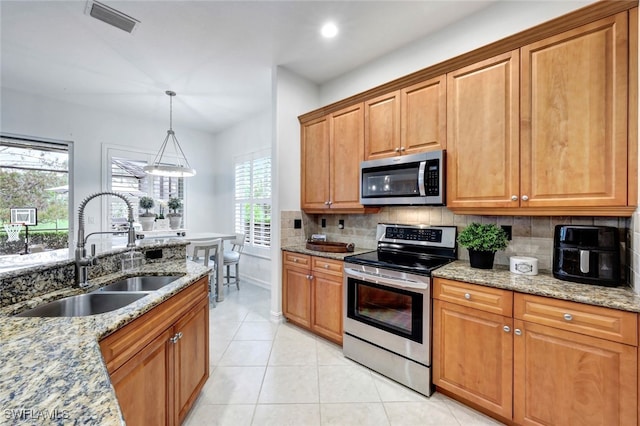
<point x="253" y="198"/>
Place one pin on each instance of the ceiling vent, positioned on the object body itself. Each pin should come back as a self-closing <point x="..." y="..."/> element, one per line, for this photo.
<point x="111" y="16"/>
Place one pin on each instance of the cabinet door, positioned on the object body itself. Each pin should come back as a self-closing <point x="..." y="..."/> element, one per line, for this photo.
<point x="483" y="134"/>
<point x="574" y="116"/>
<point x="565" y="378"/>
<point x="382" y="126"/>
<point x="143" y="384"/>
<point x="326" y="312"/>
<point x="315" y="164"/>
<point x="296" y="295"/>
<point x="347" y="151"/>
<point x="423" y="116"/>
<point x="191" y="357"/>
<point x="473" y="355"/>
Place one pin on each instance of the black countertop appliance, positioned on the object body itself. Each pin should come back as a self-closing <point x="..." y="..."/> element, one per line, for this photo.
<point x="587" y="254"/>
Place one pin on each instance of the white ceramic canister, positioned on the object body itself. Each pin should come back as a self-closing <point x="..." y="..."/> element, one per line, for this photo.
<point x="523" y="265"/>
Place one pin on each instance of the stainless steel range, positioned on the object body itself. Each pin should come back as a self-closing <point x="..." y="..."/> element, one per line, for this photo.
<point x="387" y="324"/>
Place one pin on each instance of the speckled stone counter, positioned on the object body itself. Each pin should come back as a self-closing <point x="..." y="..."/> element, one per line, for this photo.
<point x="328" y="255"/>
<point x="543" y="284"/>
<point x="51" y="369"/>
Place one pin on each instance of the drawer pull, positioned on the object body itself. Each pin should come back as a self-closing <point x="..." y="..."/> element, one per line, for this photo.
<point x="506" y="329"/>
<point x="326" y="266"/>
<point x="517" y="332"/>
<point x="568" y="317"/>
<point x="467" y="296"/>
<point x="295" y="260"/>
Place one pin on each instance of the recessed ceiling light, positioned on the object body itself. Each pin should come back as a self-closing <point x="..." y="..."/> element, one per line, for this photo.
<point x="329" y="30"/>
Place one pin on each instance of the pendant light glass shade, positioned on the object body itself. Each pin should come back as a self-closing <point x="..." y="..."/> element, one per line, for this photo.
<point x="182" y="168"/>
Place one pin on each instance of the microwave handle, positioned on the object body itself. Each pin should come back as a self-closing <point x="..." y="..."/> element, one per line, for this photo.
<point x="421" y="188"/>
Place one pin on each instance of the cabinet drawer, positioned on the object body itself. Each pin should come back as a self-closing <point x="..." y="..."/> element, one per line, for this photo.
<point x="297" y="259"/>
<point x="329" y="266"/>
<point x="596" y="321"/>
<point x="487" y="299"/>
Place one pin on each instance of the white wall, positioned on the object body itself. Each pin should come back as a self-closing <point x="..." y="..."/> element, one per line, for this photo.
<point x="493" y="23"/>
<point x="253" y="134"/>
<point x="293" y="96"/>
<point x="35" y="116"/>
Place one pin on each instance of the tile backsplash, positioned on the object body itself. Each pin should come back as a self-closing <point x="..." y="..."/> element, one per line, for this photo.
<point x="532" y="236"/>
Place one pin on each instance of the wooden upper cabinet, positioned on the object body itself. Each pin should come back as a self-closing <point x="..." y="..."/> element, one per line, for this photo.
<point x="407" y="121"/>
<point x="332" y="149"/>
<point x="483" y="133"/>
<point x="315" y="164"/>
<point x="423" y="115"/>
<point x="574" y="117"/>
<point x="347" y="151"/>
<point x="382" y="126"/>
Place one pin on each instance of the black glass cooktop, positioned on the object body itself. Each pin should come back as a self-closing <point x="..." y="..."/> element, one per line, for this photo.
<point x="421" y="264"/>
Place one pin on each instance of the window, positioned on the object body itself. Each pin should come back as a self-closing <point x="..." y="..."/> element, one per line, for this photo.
<point x="128" y="177"/>
<point x="253" y="198"/>
<point x="35" y="174"/>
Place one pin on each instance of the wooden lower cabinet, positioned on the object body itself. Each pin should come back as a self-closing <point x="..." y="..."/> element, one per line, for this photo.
<point x="473" y="355"/>
<point x="565" y="378"/>
<point x="552" y="362"/>
<point x="142" y="384"/>
<point x="312" y="294"/>
<point x="159" y="362"/>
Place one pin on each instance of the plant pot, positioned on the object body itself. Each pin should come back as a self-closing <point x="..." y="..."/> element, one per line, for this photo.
<point x="162" y="224"/>
<point x="174" y="221"/>
<point x="147" y="222"/>
<point x="481" y="259"/>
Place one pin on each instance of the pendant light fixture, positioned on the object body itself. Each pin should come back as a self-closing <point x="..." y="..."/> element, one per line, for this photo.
<point x="182" y="168"/>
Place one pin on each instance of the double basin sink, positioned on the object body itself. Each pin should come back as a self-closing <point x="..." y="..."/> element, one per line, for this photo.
<point x="108" y="298"/>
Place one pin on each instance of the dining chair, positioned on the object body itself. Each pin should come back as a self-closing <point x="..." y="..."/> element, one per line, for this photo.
<point x="232" y="257"/>
<point x="210" y="249"/>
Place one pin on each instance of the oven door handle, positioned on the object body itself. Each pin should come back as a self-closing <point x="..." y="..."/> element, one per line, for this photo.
<point x="395" y="282"/>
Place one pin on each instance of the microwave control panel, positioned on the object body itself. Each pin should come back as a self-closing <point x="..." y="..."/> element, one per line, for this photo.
<point x="432" y="177"/>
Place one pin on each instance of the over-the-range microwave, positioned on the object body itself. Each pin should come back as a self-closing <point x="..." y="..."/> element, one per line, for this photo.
<point x="416" y="179"/>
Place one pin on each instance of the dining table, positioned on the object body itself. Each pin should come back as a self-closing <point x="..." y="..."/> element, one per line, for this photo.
<point x="195" y="237"/>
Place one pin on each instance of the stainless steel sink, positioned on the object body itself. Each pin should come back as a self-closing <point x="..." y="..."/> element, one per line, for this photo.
<point x="142" y="283"/>
<point x="83" y="305"/>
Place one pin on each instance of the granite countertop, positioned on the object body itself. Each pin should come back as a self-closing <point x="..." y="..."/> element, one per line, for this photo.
<point x="543" y="284"/>
<point x="338" y="256"/>
<point x="52" y="370"/>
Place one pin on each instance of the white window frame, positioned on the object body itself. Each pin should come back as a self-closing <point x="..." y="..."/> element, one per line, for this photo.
<point x="110" y="151"/>
<point x="253" y="160"/>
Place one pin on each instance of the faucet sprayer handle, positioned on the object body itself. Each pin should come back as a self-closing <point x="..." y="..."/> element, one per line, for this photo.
<point x="93" y="250"/>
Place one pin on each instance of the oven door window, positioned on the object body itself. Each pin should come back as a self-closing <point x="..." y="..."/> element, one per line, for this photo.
<point x="390" y="309"/>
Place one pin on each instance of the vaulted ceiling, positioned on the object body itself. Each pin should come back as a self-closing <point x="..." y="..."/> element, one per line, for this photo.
<point x="217" y="55"/>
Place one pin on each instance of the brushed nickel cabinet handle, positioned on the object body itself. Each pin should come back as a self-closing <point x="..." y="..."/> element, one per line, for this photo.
<point x="514" y="198"/>
<point x="517" y="332"/>
<point x="467" y="296"/>
<point x="525" y="198"/>
<point x="568" y="317"/>
<point x="506" y="329"/>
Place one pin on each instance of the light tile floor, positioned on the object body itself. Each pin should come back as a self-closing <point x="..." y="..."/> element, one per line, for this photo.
<point x="278" y="374"/>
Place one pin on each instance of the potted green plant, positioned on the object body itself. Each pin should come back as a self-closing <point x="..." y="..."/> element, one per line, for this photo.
<point x="482" y="241"/>
<point x="174" y="217"/>
<point x="147" y="218"/>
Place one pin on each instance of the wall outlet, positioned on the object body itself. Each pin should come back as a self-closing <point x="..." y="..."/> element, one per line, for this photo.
<point x="507" y="230"/>
<point x="297" y="223"/>
<point x="341" y="224"/>
<point x="323" y="223"/>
